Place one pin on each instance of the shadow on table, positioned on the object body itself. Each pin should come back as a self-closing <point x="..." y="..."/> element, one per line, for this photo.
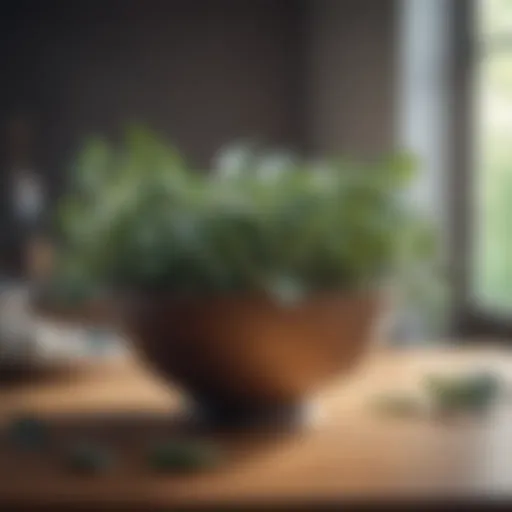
<point x="129" y="436"/>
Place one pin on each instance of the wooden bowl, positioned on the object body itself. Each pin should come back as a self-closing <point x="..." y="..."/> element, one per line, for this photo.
<point x="235" y="355"/>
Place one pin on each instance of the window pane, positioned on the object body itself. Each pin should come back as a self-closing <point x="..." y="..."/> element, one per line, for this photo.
<point x="495" y="17"/>
<point x="492" y="277"/>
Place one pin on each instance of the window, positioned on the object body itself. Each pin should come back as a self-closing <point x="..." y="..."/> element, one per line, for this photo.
<point x="491" y="266"/>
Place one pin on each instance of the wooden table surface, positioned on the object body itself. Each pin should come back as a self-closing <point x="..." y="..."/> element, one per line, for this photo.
<point x="348" y="451"/>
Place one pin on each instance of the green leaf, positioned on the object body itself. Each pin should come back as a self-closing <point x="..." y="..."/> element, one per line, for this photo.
<point x="138" y="215"/>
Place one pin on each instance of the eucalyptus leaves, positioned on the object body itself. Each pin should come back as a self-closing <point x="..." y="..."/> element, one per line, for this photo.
<point x="139" y="217"/>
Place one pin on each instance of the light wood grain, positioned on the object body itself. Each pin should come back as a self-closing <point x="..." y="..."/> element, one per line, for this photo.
<point x="347" y="450"/>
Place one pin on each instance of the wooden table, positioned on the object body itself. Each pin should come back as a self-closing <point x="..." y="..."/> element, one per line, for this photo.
<point x="347" y="452"/>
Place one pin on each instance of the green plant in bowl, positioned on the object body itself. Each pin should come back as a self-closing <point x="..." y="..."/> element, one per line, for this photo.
<point x="138" y="217"/>
<point x="250" y="283"/>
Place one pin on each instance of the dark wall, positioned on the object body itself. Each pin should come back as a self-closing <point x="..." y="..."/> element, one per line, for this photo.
<point x="311" y="74"/>
<point x="350" y="76"/>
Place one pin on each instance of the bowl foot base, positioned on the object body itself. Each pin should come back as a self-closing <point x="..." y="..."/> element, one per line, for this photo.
<point x="282" y="417"/>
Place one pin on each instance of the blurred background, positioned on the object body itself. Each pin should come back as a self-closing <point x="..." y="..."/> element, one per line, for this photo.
<point x="356" y="77"/>
<point x="360" y="78"/>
